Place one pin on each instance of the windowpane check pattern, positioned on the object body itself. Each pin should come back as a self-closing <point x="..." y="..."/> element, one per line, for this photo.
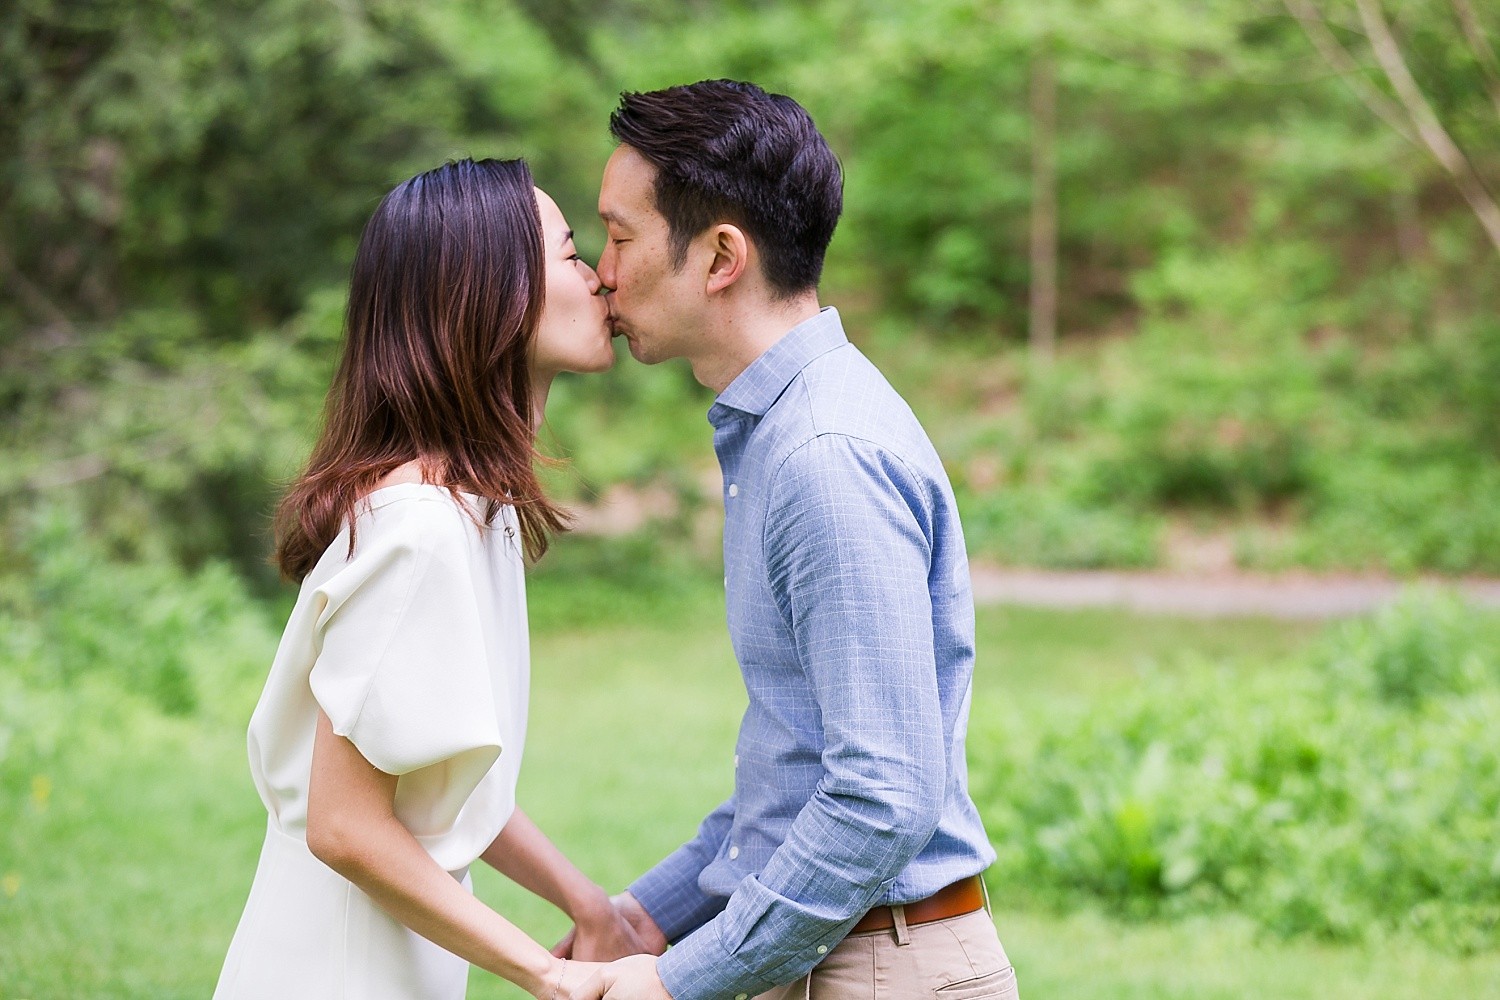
<point x="852" y="620"/>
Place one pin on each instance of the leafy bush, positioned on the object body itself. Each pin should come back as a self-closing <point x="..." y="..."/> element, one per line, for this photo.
<point x="150" y="629"/>
<point x="1350" y="797"/>
<point x="1322" y="448"/>
<point x="1030" y="527"/>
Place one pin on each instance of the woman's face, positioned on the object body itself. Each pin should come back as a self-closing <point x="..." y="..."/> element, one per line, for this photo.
<point x="573" y="334"/>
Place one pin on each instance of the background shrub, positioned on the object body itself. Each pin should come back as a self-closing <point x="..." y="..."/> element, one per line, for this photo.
<point x="1351" y="797"/>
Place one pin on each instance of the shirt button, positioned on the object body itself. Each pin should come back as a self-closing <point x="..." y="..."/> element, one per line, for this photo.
<point x="822" y="949"/>
<point x="734" y="852"/>
<point x="734" y="490"/>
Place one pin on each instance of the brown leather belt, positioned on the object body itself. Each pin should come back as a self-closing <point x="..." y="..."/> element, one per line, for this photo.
<point x="963" y="896"/>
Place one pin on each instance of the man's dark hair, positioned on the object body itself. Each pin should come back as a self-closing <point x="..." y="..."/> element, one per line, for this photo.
<point x="726" y="151"/>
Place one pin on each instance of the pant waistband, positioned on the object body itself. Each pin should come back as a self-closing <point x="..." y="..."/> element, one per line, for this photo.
<point x="964" y="896"/>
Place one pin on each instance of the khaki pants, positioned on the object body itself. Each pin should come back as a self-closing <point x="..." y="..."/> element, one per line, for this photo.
<point x="955" y="959"/>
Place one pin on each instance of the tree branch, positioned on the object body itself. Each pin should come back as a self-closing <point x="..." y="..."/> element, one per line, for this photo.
<point x="1316" y="27"/>
<point x="1388" y="54"/>
<point x="1043" y="333"/>
<point x="33" y="297"/>
<point x="69" y="472"/>
<point x="1484" y="53"/>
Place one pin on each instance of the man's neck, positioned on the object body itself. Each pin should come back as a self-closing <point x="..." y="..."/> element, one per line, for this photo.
<point x="744" y="335"/>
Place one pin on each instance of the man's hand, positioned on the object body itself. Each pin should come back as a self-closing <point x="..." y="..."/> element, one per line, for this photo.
<point x="626" y="929"/>
<point x="601" y="936"/>
<point x="632" y="978"/>
<point x="640" y="921"/>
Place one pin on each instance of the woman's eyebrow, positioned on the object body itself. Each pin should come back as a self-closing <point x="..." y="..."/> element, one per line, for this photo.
<point x="565" y="238"/>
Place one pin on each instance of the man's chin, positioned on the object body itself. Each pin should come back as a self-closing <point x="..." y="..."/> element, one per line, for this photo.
<point x="637" y="351"/>
<point x="645" y="358"/>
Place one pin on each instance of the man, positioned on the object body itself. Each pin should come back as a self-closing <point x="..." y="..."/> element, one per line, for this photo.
<point x="846" y="863"/>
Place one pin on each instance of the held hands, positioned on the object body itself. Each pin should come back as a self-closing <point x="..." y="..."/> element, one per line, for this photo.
<point x="633" y="978"/>
<point x="622" y="928"/>
<point x="623" y="931"/>
<point x="570" y="981"/>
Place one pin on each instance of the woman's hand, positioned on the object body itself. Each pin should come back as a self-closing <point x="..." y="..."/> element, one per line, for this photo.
<point x="633" y="978"/>
<point x="568" y="980"/>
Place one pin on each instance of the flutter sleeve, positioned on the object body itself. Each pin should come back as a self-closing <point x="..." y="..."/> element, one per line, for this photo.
<point x="401" y="668"/>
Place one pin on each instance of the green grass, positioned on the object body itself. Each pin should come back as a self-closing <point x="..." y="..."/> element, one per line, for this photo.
<point x="129" y="876"/>
<point x="1081" y="655"/>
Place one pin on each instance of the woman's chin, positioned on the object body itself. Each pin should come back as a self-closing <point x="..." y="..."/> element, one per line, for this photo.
<point x="607" y="351"/>
<point x="594" y="366"/>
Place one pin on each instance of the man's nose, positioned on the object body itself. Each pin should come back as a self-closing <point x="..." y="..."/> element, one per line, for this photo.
<point x="605" y="273"/>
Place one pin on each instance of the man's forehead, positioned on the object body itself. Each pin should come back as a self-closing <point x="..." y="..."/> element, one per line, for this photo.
<point x="628" y="161"/>
<point x="627" y="195"/>
<point x="628" y="172"/>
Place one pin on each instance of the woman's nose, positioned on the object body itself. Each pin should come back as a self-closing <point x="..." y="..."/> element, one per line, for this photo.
<point x="592" y="277"/>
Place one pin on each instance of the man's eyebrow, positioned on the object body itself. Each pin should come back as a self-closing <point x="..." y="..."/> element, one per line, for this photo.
<point x="611" y="217"/>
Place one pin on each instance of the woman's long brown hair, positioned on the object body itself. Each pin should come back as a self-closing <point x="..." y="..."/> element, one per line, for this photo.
<point x="444" y="296"/>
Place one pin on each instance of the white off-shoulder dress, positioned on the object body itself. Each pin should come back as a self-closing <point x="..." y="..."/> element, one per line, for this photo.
<point x="416" y="648"/>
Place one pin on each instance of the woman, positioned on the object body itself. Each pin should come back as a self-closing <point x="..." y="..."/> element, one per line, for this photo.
<point x="387" y="742"/>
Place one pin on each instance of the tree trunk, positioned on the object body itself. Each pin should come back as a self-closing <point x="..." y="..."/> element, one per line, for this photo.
<point x="1043" y="333"/>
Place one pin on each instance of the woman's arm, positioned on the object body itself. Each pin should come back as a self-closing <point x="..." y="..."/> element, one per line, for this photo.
<point x="523" y="854"/>
<point x="353" y="829"/>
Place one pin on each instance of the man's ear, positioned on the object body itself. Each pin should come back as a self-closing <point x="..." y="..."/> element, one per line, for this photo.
<point x="731" y="256"/>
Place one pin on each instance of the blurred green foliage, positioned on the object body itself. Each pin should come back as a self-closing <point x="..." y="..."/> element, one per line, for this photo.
<point x="1277" y="313"/>
<point x="1349" y="799"/>
<point x="1330" y="454"/>
<point x="145" y="625"/>
<point x="108" y="801"/>
<point x="1337" y="785"/>
<point x="1278" y="324"/>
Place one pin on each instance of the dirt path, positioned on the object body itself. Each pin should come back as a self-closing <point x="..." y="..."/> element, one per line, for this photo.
<point x="1202" y="581"/>
<point x="1292" y="595"/>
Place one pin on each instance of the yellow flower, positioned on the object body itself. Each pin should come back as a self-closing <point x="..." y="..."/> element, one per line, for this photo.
<point x="11" y="883"/>
<point x="41" y="790"/>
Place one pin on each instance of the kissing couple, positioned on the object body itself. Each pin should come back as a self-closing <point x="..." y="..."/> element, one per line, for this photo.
<point x="387" y="742"/>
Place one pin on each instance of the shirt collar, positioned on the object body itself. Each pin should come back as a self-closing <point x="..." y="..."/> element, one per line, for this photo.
<point x="762" y="383"/>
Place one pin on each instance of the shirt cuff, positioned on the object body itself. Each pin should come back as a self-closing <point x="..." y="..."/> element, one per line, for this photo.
<point x="670" y="894"/>
<point x="699" y="967"/>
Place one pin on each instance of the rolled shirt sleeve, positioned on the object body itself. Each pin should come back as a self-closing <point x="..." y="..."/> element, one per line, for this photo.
<point x="848" y="549"/>
<point x="670" y="893"/>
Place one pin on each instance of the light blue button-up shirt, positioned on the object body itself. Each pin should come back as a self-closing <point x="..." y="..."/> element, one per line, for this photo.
<point x="853" y="622"/>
